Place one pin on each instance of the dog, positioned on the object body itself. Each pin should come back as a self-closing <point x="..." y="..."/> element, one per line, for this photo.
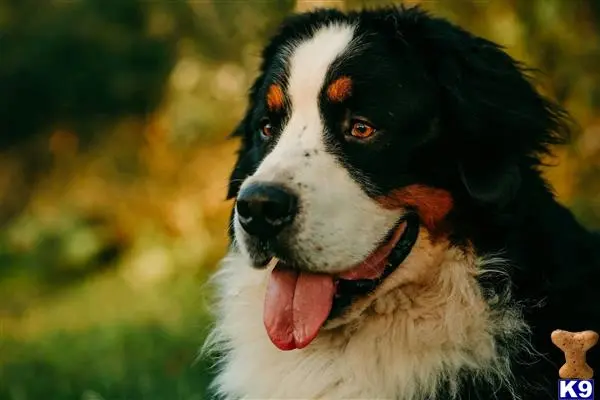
<point x="392" y="235"/>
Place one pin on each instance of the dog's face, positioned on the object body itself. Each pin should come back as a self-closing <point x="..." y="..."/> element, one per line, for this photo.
<point x="332" y="132"/>
<point x="364" y="130"/>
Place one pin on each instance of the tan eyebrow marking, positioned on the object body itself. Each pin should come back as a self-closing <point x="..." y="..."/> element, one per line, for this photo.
<point x="340" y="89"/>
<point x="275" y="97"/>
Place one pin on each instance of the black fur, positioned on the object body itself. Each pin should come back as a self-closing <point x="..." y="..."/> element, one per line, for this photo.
<point x="460" y="114"/>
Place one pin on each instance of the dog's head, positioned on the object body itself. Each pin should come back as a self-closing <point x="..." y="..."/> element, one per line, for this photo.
<point x="364" y="132"/>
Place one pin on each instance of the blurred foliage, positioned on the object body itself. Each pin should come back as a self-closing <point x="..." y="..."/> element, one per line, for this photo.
<point x="81" y="66"/>
<point x="113" y="160"/>
<point x="89" y="61"/>
<point x="77" y="62"/>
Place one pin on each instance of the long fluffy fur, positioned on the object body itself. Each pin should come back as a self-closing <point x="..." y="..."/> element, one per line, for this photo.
<point x="468" y="314"/>
<point x="411" y="343"/>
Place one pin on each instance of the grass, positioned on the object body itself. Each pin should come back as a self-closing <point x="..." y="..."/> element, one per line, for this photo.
<point x="124" y="362"/>
<point x="107" y="340"/>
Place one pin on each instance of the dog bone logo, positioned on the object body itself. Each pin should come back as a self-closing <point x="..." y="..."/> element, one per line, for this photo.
<point x="575" y="345"/>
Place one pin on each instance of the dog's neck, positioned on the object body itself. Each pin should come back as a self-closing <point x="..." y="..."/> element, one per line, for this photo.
<point x="425" y="326"/>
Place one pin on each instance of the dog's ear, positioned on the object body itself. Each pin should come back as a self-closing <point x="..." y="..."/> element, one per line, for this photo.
<point x="243" y="165"/>
<point x="504" y="123"/>
<point x="490" y="183"/>
<point x="498" y="121"/>
<point x="248" y="156"/>
<point x="499" y="117"/>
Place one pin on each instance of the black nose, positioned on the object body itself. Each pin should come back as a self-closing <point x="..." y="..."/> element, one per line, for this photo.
<point x="265" y="209"/>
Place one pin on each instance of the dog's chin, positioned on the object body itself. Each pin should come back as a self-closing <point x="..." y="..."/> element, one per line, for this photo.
<point x="299" y="303"/>
<point x="363" y="279"/>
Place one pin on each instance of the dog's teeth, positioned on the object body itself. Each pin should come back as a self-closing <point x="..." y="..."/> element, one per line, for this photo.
<point x="273" y="262"/>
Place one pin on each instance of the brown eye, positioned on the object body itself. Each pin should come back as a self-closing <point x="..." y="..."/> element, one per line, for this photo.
<point x="361" y="130"/>
<point x="266" y="129"/>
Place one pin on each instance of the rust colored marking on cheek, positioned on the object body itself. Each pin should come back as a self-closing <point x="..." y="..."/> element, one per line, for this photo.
<point x="275" y="97"/>
<point x="340" y="89"/>
<point x="432" y="204"/>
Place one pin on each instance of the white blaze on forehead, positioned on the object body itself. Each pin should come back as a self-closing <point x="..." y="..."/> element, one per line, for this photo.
<point x="308" y="64"/>
<point x="310" y="61"/>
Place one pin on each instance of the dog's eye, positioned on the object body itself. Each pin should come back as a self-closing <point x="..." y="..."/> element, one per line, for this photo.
<point x="361" y="129"/>
<point x="266" y="129"/>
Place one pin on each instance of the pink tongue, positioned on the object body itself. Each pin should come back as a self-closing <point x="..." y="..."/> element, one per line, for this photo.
<point x="296" y="306"/>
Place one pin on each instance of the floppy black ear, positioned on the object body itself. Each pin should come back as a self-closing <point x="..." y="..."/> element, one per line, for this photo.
<point x="241" y="168"/>
<point x="504" y="122"/>
<point x="248" y="156"/>
<point x="491" y="184"/>
<point x="499" y="123"/>
<point x="244" y="167"/>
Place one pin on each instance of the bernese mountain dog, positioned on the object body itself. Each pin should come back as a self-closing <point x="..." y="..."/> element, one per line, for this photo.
<point x="392" y="234"/>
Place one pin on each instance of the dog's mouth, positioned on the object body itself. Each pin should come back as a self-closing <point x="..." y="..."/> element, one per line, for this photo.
<point x="298" y="303"/>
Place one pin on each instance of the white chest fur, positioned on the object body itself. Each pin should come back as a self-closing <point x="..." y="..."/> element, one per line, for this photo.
<point x="426" y="324"/>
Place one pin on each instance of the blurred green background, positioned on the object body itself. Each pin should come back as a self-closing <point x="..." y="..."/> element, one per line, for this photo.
<point x="113" y="169"/>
